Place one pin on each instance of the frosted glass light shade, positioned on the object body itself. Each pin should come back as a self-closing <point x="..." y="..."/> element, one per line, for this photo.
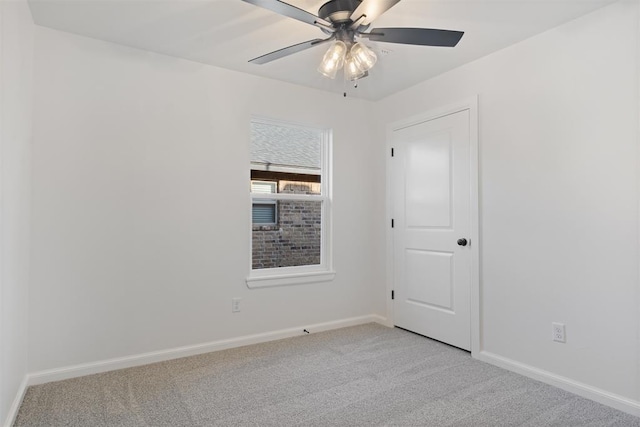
<point x="333" y="60"/>
<point x="363" y="56"/>
<point x="352" y="70"/>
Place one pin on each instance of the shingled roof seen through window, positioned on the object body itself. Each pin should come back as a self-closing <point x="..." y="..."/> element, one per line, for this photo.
<point x="277" y="145"/>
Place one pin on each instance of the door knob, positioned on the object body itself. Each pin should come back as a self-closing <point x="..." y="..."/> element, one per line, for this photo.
<point x="462" y="242"/>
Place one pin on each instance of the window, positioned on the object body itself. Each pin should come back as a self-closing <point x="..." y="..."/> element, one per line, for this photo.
<point x="264" y="187"/>
<point x="264" y="211"/>
<point x="290" y="203"/>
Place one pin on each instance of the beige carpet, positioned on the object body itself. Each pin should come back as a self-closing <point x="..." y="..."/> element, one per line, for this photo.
<point x="361" y="376"/>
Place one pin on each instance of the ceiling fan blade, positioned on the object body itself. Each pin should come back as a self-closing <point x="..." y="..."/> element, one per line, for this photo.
<point x="371" y="9"/>
<point x="281" y="53"/>
<point x="417" y="36"/>
<point x="286" y="9"/>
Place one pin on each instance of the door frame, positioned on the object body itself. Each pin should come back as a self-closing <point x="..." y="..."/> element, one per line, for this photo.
<point x="470" y="104"/>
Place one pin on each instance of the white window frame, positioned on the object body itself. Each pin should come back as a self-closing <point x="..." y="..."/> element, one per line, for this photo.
<point x="281" y="276"/>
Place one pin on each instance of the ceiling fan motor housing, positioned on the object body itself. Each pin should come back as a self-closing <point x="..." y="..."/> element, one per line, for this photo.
<point x="338" y="11"/>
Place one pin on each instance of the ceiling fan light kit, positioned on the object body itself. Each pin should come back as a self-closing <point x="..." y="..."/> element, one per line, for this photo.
<point x="356" y="59"/>
<point x="344" y="21"/>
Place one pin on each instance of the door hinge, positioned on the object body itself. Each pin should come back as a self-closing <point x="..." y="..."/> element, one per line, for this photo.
<point x="393" y="224"/>
<point x="392" y="152"/>
<point x="393" y="295"/>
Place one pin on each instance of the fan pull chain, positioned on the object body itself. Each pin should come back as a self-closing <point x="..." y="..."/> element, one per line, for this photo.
<point x="355" y="86"/>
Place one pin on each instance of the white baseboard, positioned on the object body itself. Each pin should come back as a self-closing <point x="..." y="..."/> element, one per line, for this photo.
<point x="15" y="406"/>
<point x="601" y="396"/>
<point x="58" y="374"/>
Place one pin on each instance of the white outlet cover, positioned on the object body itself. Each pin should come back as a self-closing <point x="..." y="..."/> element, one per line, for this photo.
<point x="558" y="332"/>
<point x="235" y="305"/>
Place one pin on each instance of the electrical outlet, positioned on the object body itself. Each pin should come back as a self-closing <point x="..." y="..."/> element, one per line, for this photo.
<point x="235" y="305"/>
<point x="557" y="332"/>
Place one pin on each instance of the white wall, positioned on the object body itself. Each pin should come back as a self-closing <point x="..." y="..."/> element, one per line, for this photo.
<point x="141" y="208"/>
<point x="559" y="195"/>
<point x="16" y="65"/>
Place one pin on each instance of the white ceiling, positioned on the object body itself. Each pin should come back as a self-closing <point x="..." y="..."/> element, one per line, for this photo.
<point x="227" y="33"/>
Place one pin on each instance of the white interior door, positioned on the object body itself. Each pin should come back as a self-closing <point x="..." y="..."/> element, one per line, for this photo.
<point x="431" y="210"/>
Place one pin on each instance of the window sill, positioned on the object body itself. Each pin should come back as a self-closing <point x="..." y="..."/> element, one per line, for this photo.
<point x="289" y="279"/>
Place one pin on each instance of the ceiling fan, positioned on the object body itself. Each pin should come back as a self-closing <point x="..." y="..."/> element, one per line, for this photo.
<point x="345" y="21"/>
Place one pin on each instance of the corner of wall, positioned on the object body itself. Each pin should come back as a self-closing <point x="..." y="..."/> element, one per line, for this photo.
<point x="16" y="111"/>
<point x="17" y="401"/>
<point x="638" y="193"/>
